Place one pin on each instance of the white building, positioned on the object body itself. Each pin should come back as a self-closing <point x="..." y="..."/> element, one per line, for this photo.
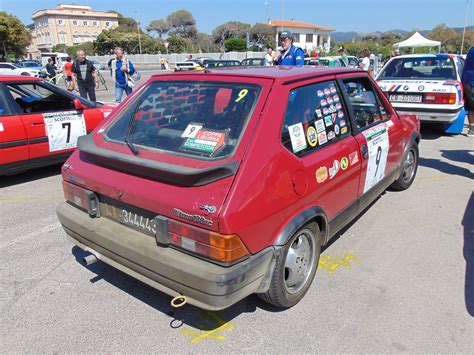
<point x="305" y="35"/>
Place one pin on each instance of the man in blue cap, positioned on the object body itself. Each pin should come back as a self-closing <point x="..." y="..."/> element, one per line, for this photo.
<point x="291" y="55"/>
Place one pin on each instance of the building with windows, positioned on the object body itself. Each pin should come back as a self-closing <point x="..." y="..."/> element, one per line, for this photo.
<point x="68" y="25"/>
<point x="305" y="35"/>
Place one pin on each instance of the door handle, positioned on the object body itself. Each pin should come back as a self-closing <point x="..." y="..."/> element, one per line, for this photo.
<point x="365" y="151"/>
<point x="37" y="124"/>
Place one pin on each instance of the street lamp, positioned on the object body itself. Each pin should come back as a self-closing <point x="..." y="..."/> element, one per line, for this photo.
<point x="139" y="39"/>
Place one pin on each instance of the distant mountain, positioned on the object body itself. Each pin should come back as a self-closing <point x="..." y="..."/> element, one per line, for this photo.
<point x="349" y="36"/>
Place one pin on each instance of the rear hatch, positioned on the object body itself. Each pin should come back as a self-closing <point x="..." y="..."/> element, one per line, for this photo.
<point x="172" y="150"/>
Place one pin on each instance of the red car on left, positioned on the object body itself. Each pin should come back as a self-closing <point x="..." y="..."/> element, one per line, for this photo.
<point x="40" y="123"/>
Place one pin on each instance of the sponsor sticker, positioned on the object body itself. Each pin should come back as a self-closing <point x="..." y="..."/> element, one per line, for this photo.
<point x="205" y="141"/>
<point x="63" y="129"/>
<point x="298" y="142"/>
<point x="340" y="114"/>
<point x="342" y="123"/>
<point x="406" y="87"/>
<point x="332" y="109"/>
<point x="312" y="136"/>
<point x="320" y="93"/>
<point x="319" y="113"/>
<point x="353" y="158"/>
<point x="321" y="174"/>
<point x="324" y="102"/>
<point x="325" y="111"/>
<point x="333" y="117"/>
<point x="338" y="106"/>
<point x="322" y="138"/>
<point x="421" y="88"/>
<point x="336" y="129"/>
<point x="344" y="163"/>
<point x="1" y="127"/>
<point x="334" y="169"/>
<point x="330" y="100"/>
<point x="331" y="135"/>
<point x="343" y="130"/>
<point x="328" y="121"/>
<point x="327" y="92"/>
<point x="336" y="98"/>
<point x="332" y="88"/>
<point x="320" y="127"/>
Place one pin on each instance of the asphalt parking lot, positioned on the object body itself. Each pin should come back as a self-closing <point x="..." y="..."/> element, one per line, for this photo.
<point x="398" y="279"/>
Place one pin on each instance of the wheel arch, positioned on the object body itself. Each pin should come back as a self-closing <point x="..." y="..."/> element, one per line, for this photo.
<point x="312" y="214"/>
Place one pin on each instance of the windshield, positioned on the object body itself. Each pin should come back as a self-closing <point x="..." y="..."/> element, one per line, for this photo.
<point x="440" y="68"/>
<point x="30" y="64"/>
<point x="192" y="118"/>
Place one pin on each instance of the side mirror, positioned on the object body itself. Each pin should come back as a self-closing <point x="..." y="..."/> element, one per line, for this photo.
<point x="78" y="104"/>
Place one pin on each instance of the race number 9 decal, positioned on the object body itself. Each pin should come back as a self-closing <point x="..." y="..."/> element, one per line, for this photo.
<point x="63" y="129"/>
<point x="242" y="94"/>
<point x="377" y="146"/>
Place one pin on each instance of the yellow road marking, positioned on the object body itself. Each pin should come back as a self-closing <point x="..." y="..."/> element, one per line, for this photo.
<point x="331" y="264"/>
<point x="210" y="334"/>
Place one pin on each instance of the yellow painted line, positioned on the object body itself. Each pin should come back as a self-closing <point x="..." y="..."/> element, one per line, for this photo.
<point x="331" y="264"/>
<point x="211" y="334"/>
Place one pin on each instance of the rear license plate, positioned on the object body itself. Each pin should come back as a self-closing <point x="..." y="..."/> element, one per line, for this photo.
<point x="133" y="217"/>
<point x="405" y="98"/>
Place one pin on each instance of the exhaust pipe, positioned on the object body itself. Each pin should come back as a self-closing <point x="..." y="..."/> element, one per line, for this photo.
<point x="89" y="260"/>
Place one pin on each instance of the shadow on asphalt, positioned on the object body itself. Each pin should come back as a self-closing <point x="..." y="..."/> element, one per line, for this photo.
<point x="468" y="224"/>
<point x="448" y="168"/>
<point x="189" y="315"/>
<point x="430" y="131"/>
<point x="30" y="175"/>
<point x="461" y="156"/>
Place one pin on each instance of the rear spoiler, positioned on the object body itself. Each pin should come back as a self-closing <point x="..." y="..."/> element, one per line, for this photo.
<point x="153" y="170"/>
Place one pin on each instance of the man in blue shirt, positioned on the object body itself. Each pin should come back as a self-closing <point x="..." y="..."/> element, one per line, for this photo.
<point x="468" y="84"/>
<point x="122" y="69"/>
<point x="290" y="55"/>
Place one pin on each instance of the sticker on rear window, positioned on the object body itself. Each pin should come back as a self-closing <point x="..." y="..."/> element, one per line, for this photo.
<point x="191" y="130"/>
<point x="298" y="141"/>
<point x="205" y="141"/>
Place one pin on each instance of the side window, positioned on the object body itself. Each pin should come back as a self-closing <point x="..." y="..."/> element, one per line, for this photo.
<point x="367" y="106"/>
<point x="314" y="118"/>
<point x="33" y="98"/>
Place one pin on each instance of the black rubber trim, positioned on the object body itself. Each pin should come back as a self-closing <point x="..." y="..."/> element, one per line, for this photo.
<point x="23" y="165"/>
<point x="427" y="110"/>
<point x="158" y="171"/>
<point x="299" y="221"/>
<point x="21" y="142"/>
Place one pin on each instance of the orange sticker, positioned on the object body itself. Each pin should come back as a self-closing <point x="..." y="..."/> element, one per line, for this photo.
<point x="321" y="174"/>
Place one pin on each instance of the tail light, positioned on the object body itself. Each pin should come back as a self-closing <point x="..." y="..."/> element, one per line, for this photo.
<point x="439" y="98"/>
<point x="82" y="198"/>
<point x="211" y="245"/>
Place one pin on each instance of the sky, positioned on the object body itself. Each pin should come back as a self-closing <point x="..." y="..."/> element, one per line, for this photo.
<point x="344" y="15"/>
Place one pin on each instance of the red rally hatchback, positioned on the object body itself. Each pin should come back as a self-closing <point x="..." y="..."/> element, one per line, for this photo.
<point x="40" y="122"/>
<point x="223" y="183"/>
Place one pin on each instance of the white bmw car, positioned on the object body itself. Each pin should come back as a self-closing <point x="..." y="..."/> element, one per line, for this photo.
<point x="428" y="85"/>
<point x="15" y="69"/>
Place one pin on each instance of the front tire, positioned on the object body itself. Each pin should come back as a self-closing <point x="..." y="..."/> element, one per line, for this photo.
<point x="409" y="169"/>
<point x="295" y="268"/>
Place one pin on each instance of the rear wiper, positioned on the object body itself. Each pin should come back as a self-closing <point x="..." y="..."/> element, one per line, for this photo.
<point x="131" y="125"/>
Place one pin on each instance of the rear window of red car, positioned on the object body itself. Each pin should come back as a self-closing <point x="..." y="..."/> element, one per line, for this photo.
<point x="192" y="118"/>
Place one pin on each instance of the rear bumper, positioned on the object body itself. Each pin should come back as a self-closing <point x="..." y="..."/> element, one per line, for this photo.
<point x="431" y="115"/>
<point x="205" y="285"/>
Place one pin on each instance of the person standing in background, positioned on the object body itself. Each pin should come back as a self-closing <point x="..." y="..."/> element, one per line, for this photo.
<point x="84" y="76"/>
<point x="122" y="69"/>
<point x="268" y="60"/>
<point x="468" y="84"/>
<point x="365" y="62"/>
<point x="290" y="54"/>
<point x="68" y="68"/>
<point x="51" y="70"/>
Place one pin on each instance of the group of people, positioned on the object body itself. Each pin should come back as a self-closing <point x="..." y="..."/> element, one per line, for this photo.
<point x="81" y="75"/>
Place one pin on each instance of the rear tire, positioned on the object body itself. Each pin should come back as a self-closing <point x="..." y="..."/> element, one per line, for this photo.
<point x="295" y="268"/>
<point x="409" y="169"/>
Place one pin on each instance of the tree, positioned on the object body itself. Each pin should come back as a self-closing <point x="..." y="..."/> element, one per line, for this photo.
<point x="127" y="40"/>
<point x="182" y="23"/>
<point x="125" y="23"/>
<point x="230" y="29"/>
<point x="14" y="36"/>
<point x="390" y="38"/>
<point x="160" y="27"/>
<point x="450" y="39"/>
<point x="263" y="35"/>
<point x="179" y="44"/>
<point x="205" y="43"/>
<point x="235" y="45"/>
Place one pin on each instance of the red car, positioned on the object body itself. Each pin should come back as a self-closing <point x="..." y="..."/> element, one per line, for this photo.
<point x="223" y="183"/>
<point x="40" y="123"/>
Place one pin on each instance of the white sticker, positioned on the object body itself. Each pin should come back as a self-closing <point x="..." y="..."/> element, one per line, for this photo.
<point x="298" y="141"/>
<point x="334" y="169"/>
<point x="63" y="129"/>
<point x="320" y="127"/>
<point x="377" y="145"/>
<point x="389" y="123"/>
<point x="322" y="138"/>
<point x="191" y="131"/>
<point x="1" y="127"/>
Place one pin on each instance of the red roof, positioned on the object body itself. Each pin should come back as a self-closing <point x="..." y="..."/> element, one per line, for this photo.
<point x="17" y="78"/>
<point x="299" y="24"/>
